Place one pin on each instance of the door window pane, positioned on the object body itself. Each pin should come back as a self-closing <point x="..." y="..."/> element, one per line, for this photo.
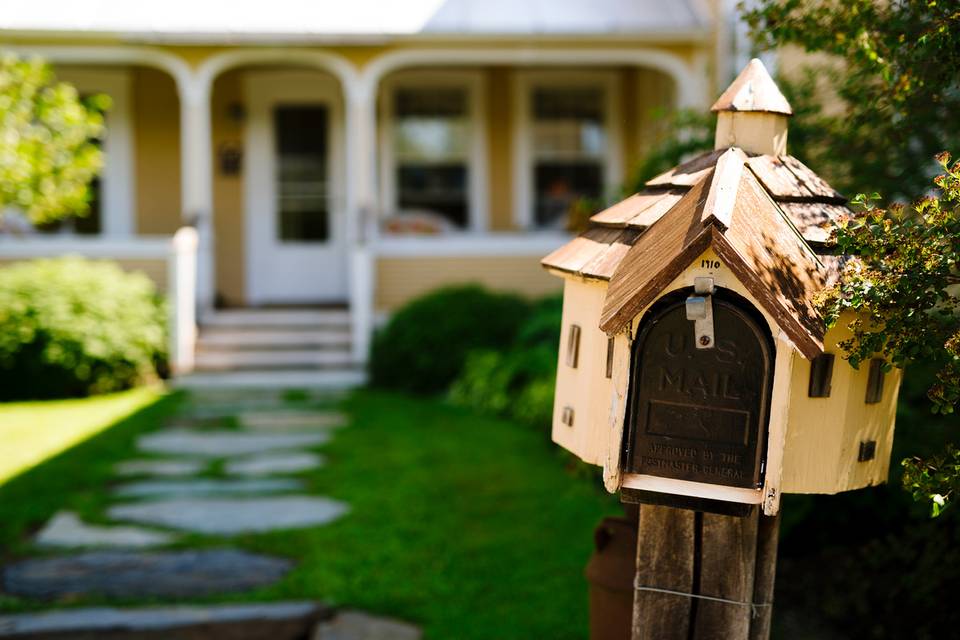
<point x="569" y="150"/>
<point x="431" y="146"/>
<point x="302" y="187"/>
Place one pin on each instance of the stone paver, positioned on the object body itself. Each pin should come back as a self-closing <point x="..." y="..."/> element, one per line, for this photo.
<point x="223" y="443"/>
<point x="355" y="625"/>
<point x="265" y="464"/>
<point x="67" y="530"/>
<point x="204" y="487"/>
<point x="276" y="620"/>
<point x="129" y="574"/>
<point x="279" y="421"/>
<point x="226" y="516"/>
<point x="160" y="467"/>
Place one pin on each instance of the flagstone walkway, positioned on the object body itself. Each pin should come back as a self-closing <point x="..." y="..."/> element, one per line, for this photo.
<point x="226" y="465"/>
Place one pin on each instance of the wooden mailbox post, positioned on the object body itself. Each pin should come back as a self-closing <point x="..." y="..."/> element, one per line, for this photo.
<point x="695" y="368"/>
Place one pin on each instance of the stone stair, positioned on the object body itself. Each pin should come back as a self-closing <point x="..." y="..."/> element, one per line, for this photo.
<point x="307" y="347"/>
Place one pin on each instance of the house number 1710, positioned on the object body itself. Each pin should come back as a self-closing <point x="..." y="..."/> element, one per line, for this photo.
<point x="709" y="264"/>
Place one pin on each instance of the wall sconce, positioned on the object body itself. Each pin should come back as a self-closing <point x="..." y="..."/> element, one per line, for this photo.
<point x="230" y="157"/>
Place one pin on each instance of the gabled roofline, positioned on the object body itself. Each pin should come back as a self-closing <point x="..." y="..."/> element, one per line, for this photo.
<point x="712" y="238"/>
<point x="698" y="222"/>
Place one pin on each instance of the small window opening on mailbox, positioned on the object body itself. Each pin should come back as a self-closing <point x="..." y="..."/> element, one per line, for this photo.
<point x="573" y="346"/>
<point x="609" y="364"/>
<point x="875" y="381"/>
<point x="821" y="375"/>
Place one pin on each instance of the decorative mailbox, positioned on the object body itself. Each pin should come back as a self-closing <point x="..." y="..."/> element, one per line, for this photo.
<point x="694" y="366"/>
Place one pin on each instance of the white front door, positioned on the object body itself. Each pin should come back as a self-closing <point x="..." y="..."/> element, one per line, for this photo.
<point x="295" y="226"/>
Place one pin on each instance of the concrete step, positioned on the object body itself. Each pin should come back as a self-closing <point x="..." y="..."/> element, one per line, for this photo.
<point x="327" y="379"/>
<point x="306" y="318"/>
<point x="219" y="338"/>
<point x="272" y="359"/>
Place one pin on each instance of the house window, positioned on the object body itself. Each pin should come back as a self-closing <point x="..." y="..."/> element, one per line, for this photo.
<point x="91" y="222"/>
<point x="433" y="149"/>
<point x="302" y="202"/>
<point x="568" y="149"/>
<point x="111" y="205"/>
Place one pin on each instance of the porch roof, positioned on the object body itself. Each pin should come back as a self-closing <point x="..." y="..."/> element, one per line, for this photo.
<point x="224" y="21"/>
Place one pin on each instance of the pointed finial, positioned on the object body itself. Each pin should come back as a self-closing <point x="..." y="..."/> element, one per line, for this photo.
<point x="753" y="90"/>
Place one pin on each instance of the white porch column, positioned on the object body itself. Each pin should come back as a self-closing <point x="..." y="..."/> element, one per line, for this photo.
<point x="362" y="204"/>
<point x="197" y="184"/>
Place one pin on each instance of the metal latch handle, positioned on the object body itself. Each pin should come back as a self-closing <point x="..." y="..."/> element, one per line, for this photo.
<point x="700" y="310"/>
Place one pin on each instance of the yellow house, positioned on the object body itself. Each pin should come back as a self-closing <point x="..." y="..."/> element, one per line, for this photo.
<point x="337" y="161"/>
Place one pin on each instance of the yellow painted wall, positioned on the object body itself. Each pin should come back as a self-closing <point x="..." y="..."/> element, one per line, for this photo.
<point x="228" y="215"/>
<point x="399" y="280"/>
<point x="585" y="389"/>
<point x="156" y="131"/>
<point x="824" y="435"/>
<point x="655" y="93"/>
<point x="500" y="158"/>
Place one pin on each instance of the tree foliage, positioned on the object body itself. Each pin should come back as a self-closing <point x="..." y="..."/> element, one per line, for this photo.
<point x="48" y="148"/>
<point x="901" y="286"/>
<point x="897" y="81"/>
<point x="898" y="84"/>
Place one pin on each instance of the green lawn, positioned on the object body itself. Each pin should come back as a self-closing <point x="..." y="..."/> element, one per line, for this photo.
<point x="470" y="526"/>
<point x="77" y="477"/>
<point x="31" y="432"/>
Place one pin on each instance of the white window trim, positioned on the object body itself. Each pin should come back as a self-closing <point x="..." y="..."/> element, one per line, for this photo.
<point x="478" y="215"/>
<point x="523" y="84"/>
<point x="117" y="180"/>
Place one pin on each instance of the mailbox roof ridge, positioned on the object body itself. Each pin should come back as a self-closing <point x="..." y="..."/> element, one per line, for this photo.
<point x="729" y="210"/>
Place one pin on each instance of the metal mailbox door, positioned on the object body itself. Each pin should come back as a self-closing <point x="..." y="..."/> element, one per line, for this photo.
<point x="700" y="414"/>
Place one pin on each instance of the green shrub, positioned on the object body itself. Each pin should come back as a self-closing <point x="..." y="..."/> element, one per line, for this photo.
<point x="424" y="346"/>
<point x="516" y="382"/>
<point x="72" y="327"/>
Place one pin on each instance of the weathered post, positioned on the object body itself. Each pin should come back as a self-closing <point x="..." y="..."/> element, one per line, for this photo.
<point x="696" y="370"/>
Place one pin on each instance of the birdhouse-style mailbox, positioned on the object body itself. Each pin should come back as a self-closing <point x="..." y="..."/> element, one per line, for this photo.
<point x="694" y="366"/>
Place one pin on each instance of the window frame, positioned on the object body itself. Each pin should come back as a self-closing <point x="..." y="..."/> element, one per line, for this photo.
<point x="117" y="179"/>
<point x="525" y="82"/>
<point x="473" y="82"/>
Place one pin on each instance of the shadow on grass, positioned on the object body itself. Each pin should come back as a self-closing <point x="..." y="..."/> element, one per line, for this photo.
<point x="75" y="479"/>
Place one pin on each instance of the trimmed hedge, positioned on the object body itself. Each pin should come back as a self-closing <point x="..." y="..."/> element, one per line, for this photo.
<point x="425" y="344"/>
<point x="516" y="380"/>
<point x="73" y="327"/>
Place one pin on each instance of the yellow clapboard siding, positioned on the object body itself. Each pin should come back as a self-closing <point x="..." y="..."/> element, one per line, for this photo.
<point x="400" y="280"/>
<point x="156" y="130"/>
<point x="228" y="217"/>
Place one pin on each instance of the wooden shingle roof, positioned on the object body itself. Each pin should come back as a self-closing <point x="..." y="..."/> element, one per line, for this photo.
<point x="729" y="210"/>
<point x="753" y="90"/>
<point x="809" y="202"/>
